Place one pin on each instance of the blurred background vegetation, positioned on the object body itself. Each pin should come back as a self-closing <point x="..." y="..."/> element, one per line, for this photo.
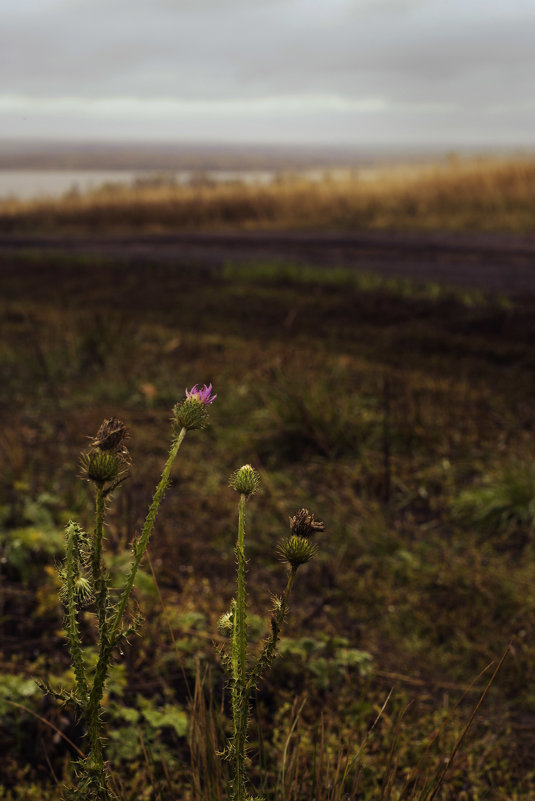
<point x="458" y="194"/>
<point x="402" y="414"/>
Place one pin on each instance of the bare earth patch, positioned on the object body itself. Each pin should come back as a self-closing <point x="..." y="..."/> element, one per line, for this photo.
<point x="493" y="262"/>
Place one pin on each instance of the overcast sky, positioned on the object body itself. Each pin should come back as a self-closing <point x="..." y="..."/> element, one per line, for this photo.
<point x="445" y="72"/>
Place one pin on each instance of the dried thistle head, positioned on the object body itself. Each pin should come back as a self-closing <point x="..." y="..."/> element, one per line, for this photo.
<point x="107" y="460"/>
<point x="111" y="436"/>
<point x="297" y="548"/>
<point x="304" y="524"/>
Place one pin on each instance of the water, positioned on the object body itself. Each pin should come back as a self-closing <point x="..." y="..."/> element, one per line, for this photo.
<point x="30" y="184"/>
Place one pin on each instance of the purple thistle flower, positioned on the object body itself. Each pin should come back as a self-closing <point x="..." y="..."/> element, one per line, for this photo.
<point x="202" y="395"/>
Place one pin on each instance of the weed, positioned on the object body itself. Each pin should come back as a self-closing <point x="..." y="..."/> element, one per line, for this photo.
<point x="502" y="507"/>
<point x="85" y="582"/>
<point x="296" y="549"/>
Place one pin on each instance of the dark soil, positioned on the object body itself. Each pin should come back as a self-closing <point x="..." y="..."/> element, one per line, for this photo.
<point x="493" y="262"/>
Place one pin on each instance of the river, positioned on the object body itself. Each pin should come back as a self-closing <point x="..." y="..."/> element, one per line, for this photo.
<point x="30" y="184"/>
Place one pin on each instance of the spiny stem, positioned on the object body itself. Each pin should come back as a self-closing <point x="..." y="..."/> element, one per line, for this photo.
<point x="100" y="591"/>
<point x="99" y="583"/>
<point x="241" y="611"/>
<point x="240" y="698"/>
<point x="73" y="632"/>
<point x="141" y="545"/>
<point x="139" y="548"/>
<point x="268" y="651"/>
<point x="286" y="595"/>
<point x="287" y="591"/>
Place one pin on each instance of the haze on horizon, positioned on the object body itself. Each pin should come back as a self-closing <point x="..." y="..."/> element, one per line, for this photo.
<point x="318" y="72"/>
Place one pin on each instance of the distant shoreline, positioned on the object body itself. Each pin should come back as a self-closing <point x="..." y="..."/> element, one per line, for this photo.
<point x="477" y="195"/>
<point x="71" y="155"/>
<point x="45" y="183"/>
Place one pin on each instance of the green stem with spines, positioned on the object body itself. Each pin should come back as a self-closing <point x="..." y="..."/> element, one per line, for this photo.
<point x="241" y="601"/>
<point x="72" y="557"/>
<point x="139" y="548"/>
<point x="100" y="592"/>
<point x="100" y="589"/>
<point x="240" y="698"/>
<point x="268" y="651"/>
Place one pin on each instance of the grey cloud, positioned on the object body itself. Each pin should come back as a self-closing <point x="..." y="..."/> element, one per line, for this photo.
<point x="472" y="55"/>
<point x="397" y="126"/>
<point x="390" y="49"/>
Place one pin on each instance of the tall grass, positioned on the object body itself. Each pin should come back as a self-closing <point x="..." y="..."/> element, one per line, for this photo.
<point x="480" y="194"/>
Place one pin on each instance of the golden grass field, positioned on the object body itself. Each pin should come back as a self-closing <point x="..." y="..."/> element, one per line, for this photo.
<point x="457" y="195"/>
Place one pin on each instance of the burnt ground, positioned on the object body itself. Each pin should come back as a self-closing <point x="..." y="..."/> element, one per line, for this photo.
<point x="488" y="261"/>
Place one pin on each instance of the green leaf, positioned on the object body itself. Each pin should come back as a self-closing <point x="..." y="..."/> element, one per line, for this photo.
<point x="170" y="715"/>
<point x="17" y="689"/>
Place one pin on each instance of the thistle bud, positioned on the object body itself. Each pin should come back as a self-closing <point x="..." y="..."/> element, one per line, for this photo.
<point x="304" y="524"/>
<point x="101" y="467"/>
<point x="82" y="590"/>
<point x="296" y="550"/>
<point x="245" y="480"/>
<point x="276" y="604"/>
<point x="191" y="413"/>
<point x="225" y="624"/>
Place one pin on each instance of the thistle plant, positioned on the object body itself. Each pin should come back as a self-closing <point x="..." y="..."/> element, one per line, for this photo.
<point x="86" y="583"/>
<point x="296" y="550"/>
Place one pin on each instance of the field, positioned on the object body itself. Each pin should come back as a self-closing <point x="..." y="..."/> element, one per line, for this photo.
<point x="462" y="195"/>
<point x="400" y="412"/>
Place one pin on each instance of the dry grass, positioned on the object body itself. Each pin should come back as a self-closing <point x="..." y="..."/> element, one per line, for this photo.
<point x="477" y="194"/>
